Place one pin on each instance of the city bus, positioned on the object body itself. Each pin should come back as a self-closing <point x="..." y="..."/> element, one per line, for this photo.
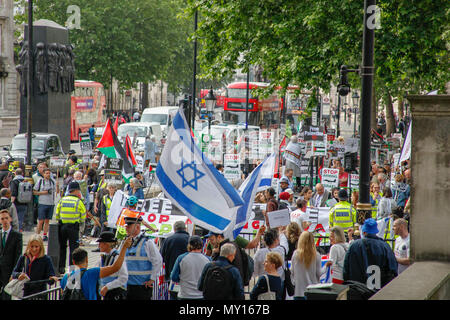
<point x="264" y="112"/>
<point x="88" y="107"/>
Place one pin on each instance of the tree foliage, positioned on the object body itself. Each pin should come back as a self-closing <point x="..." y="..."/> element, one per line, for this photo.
<point x="304" y="42"/>
<point x="131" y="41"/>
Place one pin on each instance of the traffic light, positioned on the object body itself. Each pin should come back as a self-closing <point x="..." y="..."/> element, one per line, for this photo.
<point x="343" y="86"/>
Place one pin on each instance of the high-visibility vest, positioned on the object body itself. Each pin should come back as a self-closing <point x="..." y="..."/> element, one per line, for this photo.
<point x="389" y="233"/>
<point x="108" y="260"/>
<point x="102" y="185"/>
<point x="138" y="264"/>
<point x="107" y="202"/>
<point x="375" y="207"/>
<point x="70" y="209"/>
<point x="342" y="214"/>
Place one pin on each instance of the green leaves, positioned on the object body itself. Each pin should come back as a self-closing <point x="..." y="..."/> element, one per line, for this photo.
<point x="304" y="42"/>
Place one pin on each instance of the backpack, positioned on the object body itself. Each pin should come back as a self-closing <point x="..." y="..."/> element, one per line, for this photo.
<point x="24" y="192"/>
<point x="74" y="292"/>
<point x="217" y="284"/>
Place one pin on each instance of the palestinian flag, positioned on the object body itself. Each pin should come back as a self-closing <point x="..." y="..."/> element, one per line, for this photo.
<point x="283" y="146"/>
<point x="110" y="146"/>
<point x="129" y="150"/>
<point x="116" y="124"/>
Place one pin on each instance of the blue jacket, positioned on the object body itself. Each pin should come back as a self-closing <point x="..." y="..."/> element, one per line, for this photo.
<point x="356" y="259"/>
<point x="237" y="285"/>
<point x="171" y="248"/>
<point x="401" y="193"/>
<point x="139" y="192"/>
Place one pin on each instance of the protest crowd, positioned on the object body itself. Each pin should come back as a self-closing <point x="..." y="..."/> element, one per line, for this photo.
<point x="298" y="231"/>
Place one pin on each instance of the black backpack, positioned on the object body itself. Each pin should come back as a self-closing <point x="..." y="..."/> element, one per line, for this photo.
<point x="282" y="205"/>
<point x="73" y="293"/>
<point x="217" y="284"/>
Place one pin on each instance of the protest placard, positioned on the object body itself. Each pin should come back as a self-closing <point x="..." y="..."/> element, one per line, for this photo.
<point x="114" y="164"/>
<point x="57" y="162"/>
<point x="113" y="176"/>
<point x="139" y="163"/>
<point x="266" y="143"/>
<point x="279" y="218"/>
<point x="85" y="143"/>
<point x="231" y="170"/>
<point x="330" y="178"/>
<point x="215" y="150"/>
<point x="353" y="181"/>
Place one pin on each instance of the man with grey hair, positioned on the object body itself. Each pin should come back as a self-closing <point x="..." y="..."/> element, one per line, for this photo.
<point x="383" y="180"/>
<point x="231" y="286"/>
<point x="402" y="246"/>
<point x="172" y="247"/>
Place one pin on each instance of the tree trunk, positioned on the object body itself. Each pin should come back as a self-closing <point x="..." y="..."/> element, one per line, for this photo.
<point x="144" y="95"/>
<point x="390" y="120"/>
<point x="400" y="108"/>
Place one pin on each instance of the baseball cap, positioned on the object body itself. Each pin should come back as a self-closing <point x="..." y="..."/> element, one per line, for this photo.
<point x="212" y="234"/>
<point x="284" y="179"/>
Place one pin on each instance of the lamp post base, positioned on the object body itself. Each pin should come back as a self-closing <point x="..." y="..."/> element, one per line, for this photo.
<point x="363" y="211"/>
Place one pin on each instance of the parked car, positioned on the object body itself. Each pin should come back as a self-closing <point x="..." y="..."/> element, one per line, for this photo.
<point x="141" y="129"/>
<point x="43" y="146"/>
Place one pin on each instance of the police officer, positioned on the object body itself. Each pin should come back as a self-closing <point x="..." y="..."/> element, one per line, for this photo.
<point x="342" y="214"/>
<point x="70" y="212"/>
<point x="114" y="286"/>
<point x="143" y="262"/>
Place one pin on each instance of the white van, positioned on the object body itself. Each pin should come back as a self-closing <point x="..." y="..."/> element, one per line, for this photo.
<point x="162" y="115"/>
<point x="141" y="129"/>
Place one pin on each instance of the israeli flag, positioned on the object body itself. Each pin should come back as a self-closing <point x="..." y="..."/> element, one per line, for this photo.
<point x="267" y="173"/>
<point x="248" y="190"/>
<point x="191" y="182"/>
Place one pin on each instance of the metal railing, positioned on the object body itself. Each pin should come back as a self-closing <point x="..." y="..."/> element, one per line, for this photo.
<point x="53" y="291"/>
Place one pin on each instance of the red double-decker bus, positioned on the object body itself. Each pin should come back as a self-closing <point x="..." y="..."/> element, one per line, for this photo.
<point x="262" y="111"/>
<point x="88" y="107"/>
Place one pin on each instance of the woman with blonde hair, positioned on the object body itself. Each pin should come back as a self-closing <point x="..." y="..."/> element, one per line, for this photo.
<point x="306" y="265"/>
<point x="34" y="265"/>
<point x="293" y="231"/>
<point x="337" y="254"/>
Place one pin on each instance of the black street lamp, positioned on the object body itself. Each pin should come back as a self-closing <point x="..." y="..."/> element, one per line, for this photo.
<point x="355" y="99"/>
<point x="210" y="102"/>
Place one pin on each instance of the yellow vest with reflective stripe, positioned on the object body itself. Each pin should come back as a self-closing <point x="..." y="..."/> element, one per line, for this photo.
<point x="107" y="202"/>
<point x="388" y="235"/>
<point x="70" y="209"/>
<point x="342" y="214"/>
<point x="375" y="207"/>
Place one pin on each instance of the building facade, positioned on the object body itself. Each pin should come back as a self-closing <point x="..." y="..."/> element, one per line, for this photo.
<point x="9" y="111"/>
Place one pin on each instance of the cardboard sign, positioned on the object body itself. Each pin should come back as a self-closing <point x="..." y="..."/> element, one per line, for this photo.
<point x="231" y="170"/>
<point x="114" y="164"/>
<point x="351" y="145"/>
<point x="215" y="150"/>
<point x="330" y="178"/>
<point x="139" y="163"/>
<point x="279" y="218"/>
<point x="266" y="143"/>
<point x="312" y="133"/>
<point x="85" y="143"/>
<point x="113" y="176"/>
<point x="57" y="162"/>
<point x="353" y="181"/>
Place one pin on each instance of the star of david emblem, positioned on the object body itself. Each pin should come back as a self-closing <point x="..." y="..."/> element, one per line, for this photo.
<point x="189" y="174"/>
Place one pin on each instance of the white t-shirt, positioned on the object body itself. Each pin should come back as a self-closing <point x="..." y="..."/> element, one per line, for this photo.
<point x="402" y="251"/>
<point x="337" y="255"/>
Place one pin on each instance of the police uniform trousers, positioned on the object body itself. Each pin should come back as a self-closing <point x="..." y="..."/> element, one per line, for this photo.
<point x="68" y="232"/>
<point x="139" y="292"/>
